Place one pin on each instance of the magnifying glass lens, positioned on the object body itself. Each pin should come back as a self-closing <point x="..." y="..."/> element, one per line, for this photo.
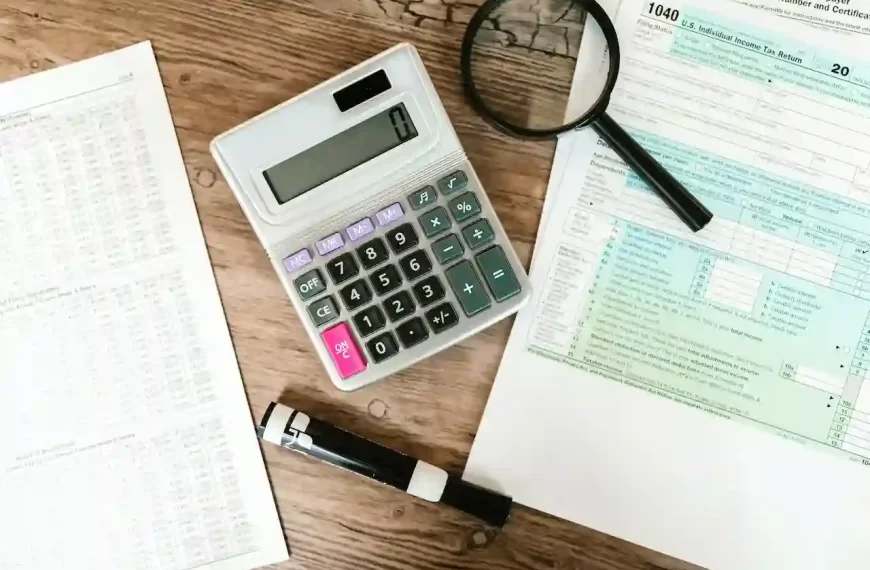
<point x="523" y="62"/>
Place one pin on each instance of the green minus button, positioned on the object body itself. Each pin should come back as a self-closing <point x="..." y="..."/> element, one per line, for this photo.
<point x="499" y="276"/>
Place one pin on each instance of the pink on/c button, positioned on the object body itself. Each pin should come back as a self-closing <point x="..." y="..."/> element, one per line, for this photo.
<point x="342" y="348"/>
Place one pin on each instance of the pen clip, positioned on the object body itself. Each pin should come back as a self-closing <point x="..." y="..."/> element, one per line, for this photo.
<point x="294" y="439"/>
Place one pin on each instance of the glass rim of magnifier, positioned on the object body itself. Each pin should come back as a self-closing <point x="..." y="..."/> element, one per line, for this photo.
<point x="597" y="109"/>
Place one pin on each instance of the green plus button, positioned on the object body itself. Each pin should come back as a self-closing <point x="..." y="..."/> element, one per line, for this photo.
<point x="464" y="207"/>
<point x="468" y="288"/>
<point x="435" y="221"/>
<point x="477" y="234"/>
<point x="422" y="198"/>
<point x="447" y="249"/>
<point x="498" y="274"/>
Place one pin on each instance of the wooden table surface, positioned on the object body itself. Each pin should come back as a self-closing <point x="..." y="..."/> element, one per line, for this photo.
<point x="224" y="61"/>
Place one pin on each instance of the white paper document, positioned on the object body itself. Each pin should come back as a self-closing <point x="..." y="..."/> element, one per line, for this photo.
<point x="703" y="394"/>
<point x="125" y="435"/>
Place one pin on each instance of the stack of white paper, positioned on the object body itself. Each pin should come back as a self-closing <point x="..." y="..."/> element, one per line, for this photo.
<point x="125" y="438"/>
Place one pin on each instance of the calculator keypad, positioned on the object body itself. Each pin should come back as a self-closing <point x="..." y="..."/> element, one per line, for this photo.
<point x="447" y="249"/>
<point x="412" y="332"/>
<point x="464" y="207"/>
<point x="436" y="221"/>
<point x="478" y="234"/>
<point x="392" y="281"/>
<point x="323" y="311"/>
<point x="386" y="279"/>
<point x="372" y="253"/>
<point x="310" y="285"/>
<point x="402" y="238"/>
<point x="429" y="291"/>
<point x="399" y="306"/>
<point x="415" y="265"/>
<point x="453" y="183"/>
<point x="422" y="198"/>
<point x="498" y="274"/>
<point x="369" y="320"/>
<point x="468" y="288"/>
<point x="342" y="268"/>
<point x="442" y="318"/>
<point x="356" y="295"/>
<point x="343" y="350"/>
<point x="382" y="347"/>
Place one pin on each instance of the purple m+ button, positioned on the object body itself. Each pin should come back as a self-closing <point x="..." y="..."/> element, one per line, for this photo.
<point x="390" y="214"/>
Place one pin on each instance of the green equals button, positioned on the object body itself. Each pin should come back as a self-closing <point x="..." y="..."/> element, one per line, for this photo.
<point x="498" y="274"/>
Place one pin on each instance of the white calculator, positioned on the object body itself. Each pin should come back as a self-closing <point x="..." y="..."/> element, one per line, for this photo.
<point x="374" y="220"/>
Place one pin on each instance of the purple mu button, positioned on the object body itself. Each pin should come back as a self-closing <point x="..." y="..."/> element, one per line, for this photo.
<point x="297" y="261"/>
<point x="362" y="228"/>
<point x="329" y="243"/>
<point x="390" y="214"/>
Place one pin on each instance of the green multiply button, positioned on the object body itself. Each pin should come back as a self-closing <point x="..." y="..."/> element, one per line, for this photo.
<point x="468" y="288"/>
<point x="435" y="221"/>
<point x="498" y="274"/>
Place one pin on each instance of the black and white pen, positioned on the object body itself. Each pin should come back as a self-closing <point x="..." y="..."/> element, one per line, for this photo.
<point x="297" y="431"/>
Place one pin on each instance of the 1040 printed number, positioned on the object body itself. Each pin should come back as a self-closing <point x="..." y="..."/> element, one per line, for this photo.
<point x="663" y="11"/>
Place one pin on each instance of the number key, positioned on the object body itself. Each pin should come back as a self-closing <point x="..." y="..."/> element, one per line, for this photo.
<point x="402" y="238"/>
<point x="372" y="253"/>
<point x="356" y="295"/>
<point x="342" y="268"/>
<point x="382" y="347"/>
<point x="369" y="320"/>
<point x="386" y="279"/>
<point x="428" y="291"/>
<point x="415" y="265"/>
<point x="399" y="306"/>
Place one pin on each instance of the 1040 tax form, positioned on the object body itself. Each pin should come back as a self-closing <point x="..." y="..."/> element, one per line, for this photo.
<point x="704" y="394"/>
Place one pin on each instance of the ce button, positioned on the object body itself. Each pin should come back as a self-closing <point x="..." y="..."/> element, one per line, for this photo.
<point x="323" y="311"/>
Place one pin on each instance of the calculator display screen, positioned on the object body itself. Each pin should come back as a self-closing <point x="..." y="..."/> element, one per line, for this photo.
<point x="346" y="150"/>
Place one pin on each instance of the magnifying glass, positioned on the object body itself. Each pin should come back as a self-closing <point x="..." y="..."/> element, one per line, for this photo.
<point x="518" y="63"/>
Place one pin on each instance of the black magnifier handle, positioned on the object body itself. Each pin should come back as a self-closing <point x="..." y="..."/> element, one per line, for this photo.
<point x="681" y="201"/>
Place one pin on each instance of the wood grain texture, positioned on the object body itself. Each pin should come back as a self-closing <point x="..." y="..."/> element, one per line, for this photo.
<point x="225" y="61"/>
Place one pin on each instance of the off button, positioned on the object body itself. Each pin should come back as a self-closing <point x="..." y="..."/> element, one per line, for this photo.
<point x="310" y="284"/>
